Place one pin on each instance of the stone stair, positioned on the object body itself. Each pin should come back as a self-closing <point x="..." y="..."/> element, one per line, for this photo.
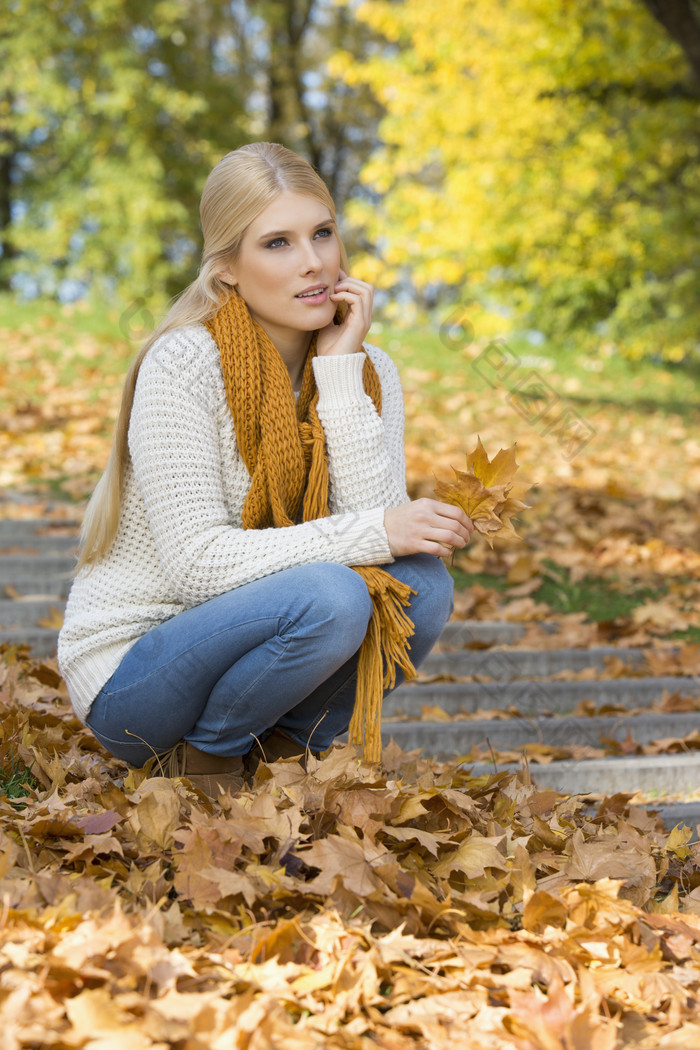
<point x="37" y="558"/>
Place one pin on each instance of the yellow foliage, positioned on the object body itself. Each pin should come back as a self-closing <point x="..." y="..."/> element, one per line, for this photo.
<point x="542" y="152"/>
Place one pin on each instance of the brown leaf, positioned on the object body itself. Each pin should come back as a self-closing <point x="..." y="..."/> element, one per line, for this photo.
<point x="342" y="858"/>
<point x="54" y="620"/>
<point x="157" y="812"/>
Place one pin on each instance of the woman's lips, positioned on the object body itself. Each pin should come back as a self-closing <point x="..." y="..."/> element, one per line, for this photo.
<point x="315" y="297"/>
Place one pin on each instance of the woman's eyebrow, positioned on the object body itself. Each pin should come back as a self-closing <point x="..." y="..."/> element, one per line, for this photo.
<point x="286" y="233"/>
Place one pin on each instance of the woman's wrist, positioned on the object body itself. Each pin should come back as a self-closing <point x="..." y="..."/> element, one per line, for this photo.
<point x="339" y="380"/>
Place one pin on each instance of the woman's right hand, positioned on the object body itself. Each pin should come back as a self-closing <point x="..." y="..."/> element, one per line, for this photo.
<point x="426" y="526"/>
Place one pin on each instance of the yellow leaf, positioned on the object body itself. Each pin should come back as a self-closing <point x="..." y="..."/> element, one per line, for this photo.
<point x="54" y="620"/>
<point x="499" y="471"/>
<point x="473" y="857"/>
<point x="485" y="491"/>
<point x="157" y="813"/>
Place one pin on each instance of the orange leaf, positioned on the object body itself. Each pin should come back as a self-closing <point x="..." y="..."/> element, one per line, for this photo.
<point x="486" y="491"/>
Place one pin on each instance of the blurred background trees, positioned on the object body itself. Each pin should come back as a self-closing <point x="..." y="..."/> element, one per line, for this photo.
<point x="537" y="160"/>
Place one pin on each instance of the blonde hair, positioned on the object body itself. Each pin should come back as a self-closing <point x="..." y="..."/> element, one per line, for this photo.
<point x="237" y="190"/>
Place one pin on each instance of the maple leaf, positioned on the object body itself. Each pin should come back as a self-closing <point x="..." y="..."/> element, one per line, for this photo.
<point x="487" y="492"/>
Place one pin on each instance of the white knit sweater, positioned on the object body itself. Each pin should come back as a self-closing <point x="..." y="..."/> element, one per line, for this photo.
<point x="181" y="541"/>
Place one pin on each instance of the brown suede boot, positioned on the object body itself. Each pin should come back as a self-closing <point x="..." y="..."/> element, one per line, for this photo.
<point x="276" y="746"/>
<point x="214" y="775"/>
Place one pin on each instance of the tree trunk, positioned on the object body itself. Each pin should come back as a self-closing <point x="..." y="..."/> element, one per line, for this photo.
<point x="681" y="20"/>
<point x="8" y="148"/>
<point x="288" y="118"/>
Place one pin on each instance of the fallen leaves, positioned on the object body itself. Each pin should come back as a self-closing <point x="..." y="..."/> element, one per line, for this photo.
<point x="412" y="905"/>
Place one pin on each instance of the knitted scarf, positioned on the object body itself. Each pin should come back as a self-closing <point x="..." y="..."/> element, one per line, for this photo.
<point x="284" y="449"/>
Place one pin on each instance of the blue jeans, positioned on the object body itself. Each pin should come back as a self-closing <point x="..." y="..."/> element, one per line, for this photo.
<point x="279" y="652"/>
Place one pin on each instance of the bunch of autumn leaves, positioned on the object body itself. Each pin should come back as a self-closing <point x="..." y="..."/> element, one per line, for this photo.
<point x="487" y="491"/>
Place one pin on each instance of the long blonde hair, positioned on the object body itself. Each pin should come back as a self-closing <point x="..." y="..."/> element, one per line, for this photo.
<point x="237" y="190"/>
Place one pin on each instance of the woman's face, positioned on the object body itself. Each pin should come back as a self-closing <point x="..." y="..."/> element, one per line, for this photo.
<point x="287" y="268"/>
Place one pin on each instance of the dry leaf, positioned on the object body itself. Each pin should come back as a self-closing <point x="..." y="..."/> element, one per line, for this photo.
<point x="487" y="492"/>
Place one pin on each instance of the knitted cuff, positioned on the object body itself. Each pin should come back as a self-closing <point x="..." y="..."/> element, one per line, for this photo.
<point x="339" y="380"/>
<point x="357" y="537"/>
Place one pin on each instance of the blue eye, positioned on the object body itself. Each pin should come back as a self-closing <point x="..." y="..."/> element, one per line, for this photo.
<point x="276" y="242"/>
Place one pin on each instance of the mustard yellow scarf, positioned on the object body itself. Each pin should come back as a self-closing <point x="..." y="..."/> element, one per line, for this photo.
<point x="284" y="449"/>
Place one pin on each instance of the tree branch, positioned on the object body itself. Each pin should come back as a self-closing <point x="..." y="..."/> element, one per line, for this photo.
<point x="600" y="91"/>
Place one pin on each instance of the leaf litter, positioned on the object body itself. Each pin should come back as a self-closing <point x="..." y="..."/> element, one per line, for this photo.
<point x="405" y="905"/>
<point x="401" y="906"/>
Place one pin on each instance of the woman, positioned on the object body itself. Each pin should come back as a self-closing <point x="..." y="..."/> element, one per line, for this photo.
<point x="251" y="565"/>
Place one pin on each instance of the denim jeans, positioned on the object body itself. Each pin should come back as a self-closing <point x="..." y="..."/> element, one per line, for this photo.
<point x="280" y="651"/>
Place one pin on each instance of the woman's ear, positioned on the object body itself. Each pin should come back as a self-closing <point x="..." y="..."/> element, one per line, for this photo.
<point x="227" y="278"/>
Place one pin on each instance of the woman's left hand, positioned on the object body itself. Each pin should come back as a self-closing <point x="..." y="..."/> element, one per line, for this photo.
<point x="346" y="338"/>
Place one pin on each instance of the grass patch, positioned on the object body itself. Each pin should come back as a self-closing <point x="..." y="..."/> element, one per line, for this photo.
<point x="463" y="580"/>
<point x="603" y="379"/>
<point x="445" y="367"/>
<point x="606" y="379"/>
<point x="16" y="780"/>
<point x="600" y="599"/>
<point x="80" y="318"/>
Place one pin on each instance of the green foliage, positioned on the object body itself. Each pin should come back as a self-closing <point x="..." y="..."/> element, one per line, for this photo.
<point x="16" y="780"/>
<point x="613" y="382"/>
<point x="113" y="112"/>
<point x="541" y="156"/>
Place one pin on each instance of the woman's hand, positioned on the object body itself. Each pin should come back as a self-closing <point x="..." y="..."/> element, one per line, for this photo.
<point x="346" y="338"/>
<point x="426" y="526"/>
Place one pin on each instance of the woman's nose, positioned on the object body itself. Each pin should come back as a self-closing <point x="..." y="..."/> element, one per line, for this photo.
<point x="311" y="260"/>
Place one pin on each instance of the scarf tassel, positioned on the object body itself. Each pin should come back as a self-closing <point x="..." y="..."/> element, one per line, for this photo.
<point x="385" y="647"/>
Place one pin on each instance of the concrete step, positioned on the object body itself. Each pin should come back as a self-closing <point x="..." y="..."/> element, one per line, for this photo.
<point x="29" y="544"/>
<point x="40" y="535"/>
<point x="37" y="559"/>
<point x="452" y="739"/>
<point x="26" y="612"/>
<point x="662" y="774"/>
<point x="675" y="813"/>
<point x="533" y="698"/>
<point x="504" y="664"/>
<point x="45" y="575"/>
<point x="19" y="624"/>
<point x="41" y="640"/>
<point x="460" y="633"/>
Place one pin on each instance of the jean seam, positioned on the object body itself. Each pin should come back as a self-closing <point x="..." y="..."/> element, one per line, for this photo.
<point x="184" y="652"/>
<point x="104" y="739"/>
<point x="237" y="699"/>
<point x="325" y="708"/>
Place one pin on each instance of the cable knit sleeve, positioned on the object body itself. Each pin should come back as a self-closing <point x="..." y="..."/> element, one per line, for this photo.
<point x="193" y="483"/>
<point x="366" y="459"/>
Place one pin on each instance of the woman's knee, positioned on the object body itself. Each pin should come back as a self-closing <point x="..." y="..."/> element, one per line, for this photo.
<point x="340" y="601"/>
<point x="431" y="605"/>
<point x="432" y="583"/>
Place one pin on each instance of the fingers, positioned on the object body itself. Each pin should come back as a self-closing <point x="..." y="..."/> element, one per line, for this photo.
<point x="358" y="295"/>
<point x="449" y="510"/>
<point x="447" y="538"/>
<point x="352" y="284"/>
<point x="437" y="549"/>
<point x="347" y="338"/>
<point x="427" y="526"/>
<point x="453" y="525"/>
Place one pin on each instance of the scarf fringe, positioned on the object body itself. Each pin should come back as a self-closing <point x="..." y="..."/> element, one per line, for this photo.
<point x="384" y="648"/>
